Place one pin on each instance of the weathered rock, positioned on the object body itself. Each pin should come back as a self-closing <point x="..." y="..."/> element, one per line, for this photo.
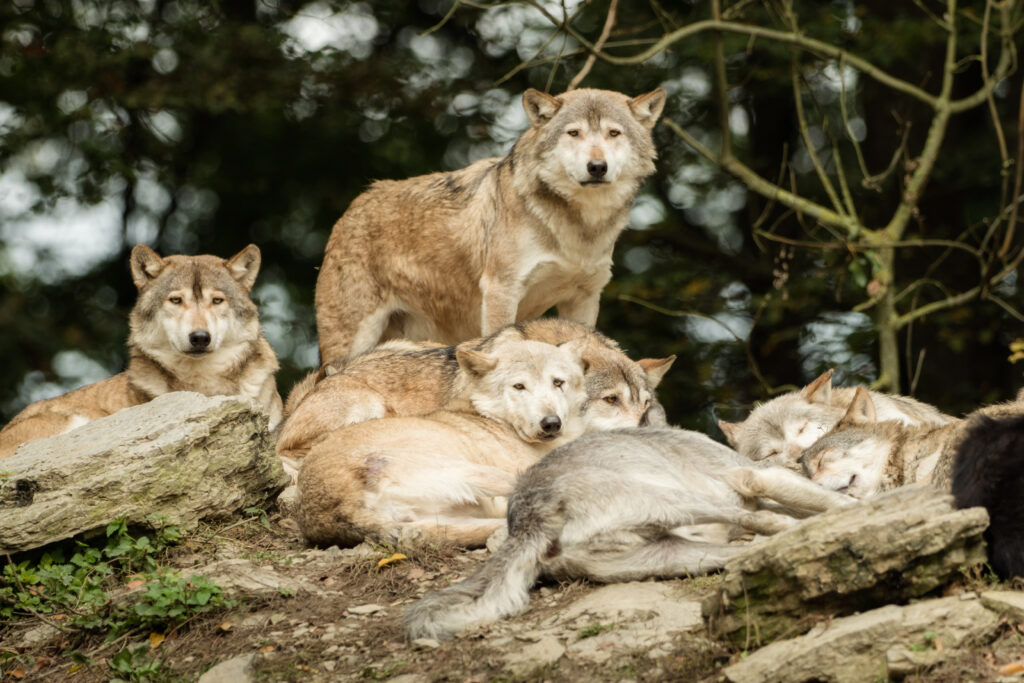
<point x="235" y="670"/>
<point x="545" y="651"/>
<point x="1009" y="603"/>
<point x="242" y="577"/>
<point x="182" y="457"/>
<point x="888" y="549"/>
<point x="888" y="642"/>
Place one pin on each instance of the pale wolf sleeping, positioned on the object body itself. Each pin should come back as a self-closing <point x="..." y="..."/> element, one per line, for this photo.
<point x="445" y="476"/>
<point x="194" y="327"/>
<point x="452" y="256"/>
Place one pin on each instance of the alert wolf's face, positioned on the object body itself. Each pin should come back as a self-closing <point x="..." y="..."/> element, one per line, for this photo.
<point x="620" y="392"/>
<point x="592" y="139"/>
<point x="193" y="305"/>
<point x="535" y="388"/>
<point x="779" y="430"/>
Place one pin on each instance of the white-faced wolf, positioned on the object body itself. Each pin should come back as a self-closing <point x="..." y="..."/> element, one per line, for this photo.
<point x="450" y="256"/>
<point x="194" y="327"/>
<point x="620" y="506"/>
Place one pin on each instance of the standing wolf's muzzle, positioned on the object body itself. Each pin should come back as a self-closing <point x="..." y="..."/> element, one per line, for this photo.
<point x="597" y="168"/>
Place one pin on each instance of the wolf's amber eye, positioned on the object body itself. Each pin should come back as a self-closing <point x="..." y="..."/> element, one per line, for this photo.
<point x="611" y="400"/>
<point x="176" y="300"/>
<point x="558" y="382"/>
<point x="518" y="387"/>
<point x="217" y="300"/>
<point x="573" y="133"/>
<point x="613" y="133"/>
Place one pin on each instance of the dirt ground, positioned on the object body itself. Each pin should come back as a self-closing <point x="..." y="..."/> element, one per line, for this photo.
<point x="335" y="615"/>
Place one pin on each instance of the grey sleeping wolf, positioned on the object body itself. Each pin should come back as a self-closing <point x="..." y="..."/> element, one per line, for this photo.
<point x="451" y="256"/>
<point x="194" y="327"/>
<point x="403" y="378"/>
<point x="779" y="430"/>
<point x="619" y="506"/>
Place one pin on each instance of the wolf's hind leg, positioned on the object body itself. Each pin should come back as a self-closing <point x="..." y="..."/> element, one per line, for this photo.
<point x="785" y="487"/>
<point x="665" y="557"/>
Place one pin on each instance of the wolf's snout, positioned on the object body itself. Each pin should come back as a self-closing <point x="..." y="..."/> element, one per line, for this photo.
<point x="199" y="339"/>
<point x="551" y="424"/>
<point x="597" y="168"/>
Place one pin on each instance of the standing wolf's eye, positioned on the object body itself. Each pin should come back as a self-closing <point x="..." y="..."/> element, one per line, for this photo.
<point x="573" y="133"/>
<point x="611" y="400"/>
<point x="614" y="133"/>
<point x="217" y="300"/>
<point x="519" y="387"/>
<point x="558" y="382"/>
<point x="176" y="300"/>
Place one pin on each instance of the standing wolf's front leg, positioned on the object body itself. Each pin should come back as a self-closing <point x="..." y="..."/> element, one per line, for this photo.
<point x="582" y="309"/>
<point x="499" y="303"/>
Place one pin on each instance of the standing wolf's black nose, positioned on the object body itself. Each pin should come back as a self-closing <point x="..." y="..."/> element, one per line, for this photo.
<point x="597" y="168"/>
<point x="199" y="339"/>
<point x="551" y="424"/>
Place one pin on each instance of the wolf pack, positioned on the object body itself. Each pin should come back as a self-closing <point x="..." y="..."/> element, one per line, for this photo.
<point x="445" y="409"/>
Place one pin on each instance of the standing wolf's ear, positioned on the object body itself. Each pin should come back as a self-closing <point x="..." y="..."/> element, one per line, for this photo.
<point x="245" y="265"/>
<point x="647" y="108"/>
<point x="540" y="107"/>
<point x="860" y="412"/>
<point x="475" y="363"/>
<point x="146" y="264"/>
<point x="820" y="390"/>
<point x="655" y="368"/>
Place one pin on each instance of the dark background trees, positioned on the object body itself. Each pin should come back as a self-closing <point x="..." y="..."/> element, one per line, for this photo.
<point x="202" y="126"/>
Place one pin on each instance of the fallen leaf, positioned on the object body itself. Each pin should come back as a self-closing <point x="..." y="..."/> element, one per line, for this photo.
<point x="1011" y="668"/>
<point x="267" y="648"/>
<point x="394" y="558"/>
<point x="74" y="668"/>
<point x="135" y="583"/>
<point x="416" y="573"/>
<point x="17" y="673"/>
<point x="155" y="639"/>
<point x="225" y="625"/>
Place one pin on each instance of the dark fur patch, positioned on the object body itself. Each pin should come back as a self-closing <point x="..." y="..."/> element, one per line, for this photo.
<point x="988" y="471"/>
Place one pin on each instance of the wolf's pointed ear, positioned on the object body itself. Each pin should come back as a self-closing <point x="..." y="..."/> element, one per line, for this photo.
<point x="647" y="108"/>
<point x="578" y="346"/>
<point x="731" y="431"/>
<point x="475" y="363"/>
<point x="860" y="412"/>
<point x="146" y="264"/>
<point x="540" y="107"/>
<point x="820" y="390"/>
<point x="655" y="368"/>
<point x="245" y="265"/>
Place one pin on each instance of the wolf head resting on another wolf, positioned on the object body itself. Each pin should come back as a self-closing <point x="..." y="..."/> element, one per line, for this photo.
<point x="779" y="430"/>
<point x="453" y="256"/>
<point x="194" y="327"/>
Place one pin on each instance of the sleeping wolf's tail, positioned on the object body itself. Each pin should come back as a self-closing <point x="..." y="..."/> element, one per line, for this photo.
<point x="500" y="588"/>
<point x="988" y="471"/>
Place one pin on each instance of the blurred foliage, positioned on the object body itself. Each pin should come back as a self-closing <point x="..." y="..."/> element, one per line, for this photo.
<point x="199" y="126"/>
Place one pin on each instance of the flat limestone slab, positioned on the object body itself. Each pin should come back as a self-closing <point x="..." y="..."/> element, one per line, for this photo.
<point x="183" y="456"/>
<point x="876" y="645"/>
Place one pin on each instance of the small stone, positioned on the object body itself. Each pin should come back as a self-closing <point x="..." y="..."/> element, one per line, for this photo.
<point x="425" y="643"/>
<point x="328" y="665"/>
<point x="365" y="609"/>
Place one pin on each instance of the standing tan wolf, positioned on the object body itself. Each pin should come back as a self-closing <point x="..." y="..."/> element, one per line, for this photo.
<point x="194" y="327"/>
<point x="401" y="378"/>
<point x="451" y="256"/>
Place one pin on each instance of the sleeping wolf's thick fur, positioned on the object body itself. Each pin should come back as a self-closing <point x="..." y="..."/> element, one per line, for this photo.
<point x="194" y="327"/>
<point x="779" y="430"/>
<point x="445" y="475"/>
<point x="402" y="378"/>
<point x="451" y="256"/>
<point x="988" y="471"/>
<point x="611" y="507"/>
